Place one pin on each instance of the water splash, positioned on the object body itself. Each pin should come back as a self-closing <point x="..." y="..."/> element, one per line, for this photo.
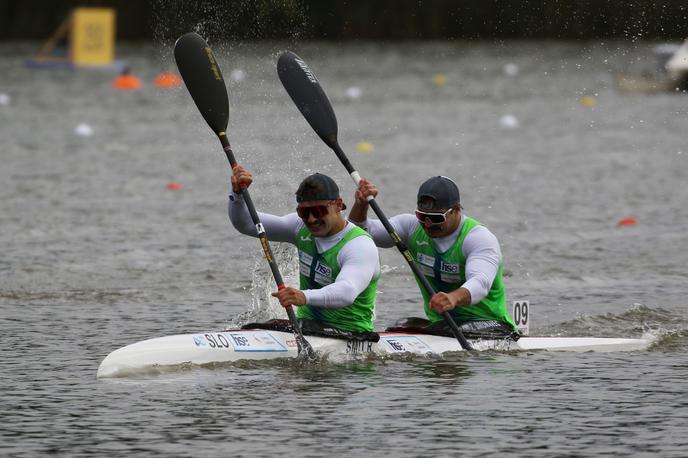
<point x="263" y="306"/>
<point x="241" y="20"/>
<point x="669" y="329"/>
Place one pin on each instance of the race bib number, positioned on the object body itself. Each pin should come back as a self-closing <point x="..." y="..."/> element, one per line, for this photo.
<point x="520" y="312"/>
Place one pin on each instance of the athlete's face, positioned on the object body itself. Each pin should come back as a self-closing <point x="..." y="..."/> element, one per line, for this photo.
<point x="322" y="217"/>
<point x="439" y="222"/>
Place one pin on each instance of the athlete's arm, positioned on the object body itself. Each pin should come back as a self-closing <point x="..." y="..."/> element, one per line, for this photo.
<point x="277" y="228"/>
<point x="403" y="224"/>
<point x="483" y="257"/>
<point x="359" y="263"/>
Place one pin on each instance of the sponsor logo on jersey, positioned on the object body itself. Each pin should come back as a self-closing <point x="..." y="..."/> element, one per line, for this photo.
<point x="449" y="268"/>
<point x="425" y="259"/>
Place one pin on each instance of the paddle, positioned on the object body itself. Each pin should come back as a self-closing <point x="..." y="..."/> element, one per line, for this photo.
<point x="305" y="90"/>
<point x="203" y="79"/>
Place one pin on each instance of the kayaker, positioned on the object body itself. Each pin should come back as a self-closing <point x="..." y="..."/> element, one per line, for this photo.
<point x="459" y="256"/>
<point x="338" y="261"/>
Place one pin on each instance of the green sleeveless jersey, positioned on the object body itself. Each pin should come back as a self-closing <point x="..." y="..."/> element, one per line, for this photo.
<point x="447" y="272"/>
<point x="321" y="269"/>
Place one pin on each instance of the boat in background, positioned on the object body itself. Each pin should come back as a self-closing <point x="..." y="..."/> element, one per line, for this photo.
<point x="677" y="66"/>
<point x="669" y="72"/>
<point x="260" y="344"/>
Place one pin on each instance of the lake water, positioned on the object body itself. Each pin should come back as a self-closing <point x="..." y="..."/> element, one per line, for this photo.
<point x="97" y="253"/>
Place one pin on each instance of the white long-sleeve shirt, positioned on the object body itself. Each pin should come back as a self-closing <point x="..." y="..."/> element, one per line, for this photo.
<point x="358" y="259"/>
<point x="480" y="247"/>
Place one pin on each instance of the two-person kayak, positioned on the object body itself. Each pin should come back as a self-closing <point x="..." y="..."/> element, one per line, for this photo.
<point x="262" y="344"/>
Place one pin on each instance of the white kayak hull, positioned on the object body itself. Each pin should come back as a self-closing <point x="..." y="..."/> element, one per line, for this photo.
<point x="237" y="345"/>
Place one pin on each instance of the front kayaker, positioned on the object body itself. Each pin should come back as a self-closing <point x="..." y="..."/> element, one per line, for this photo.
<point x="460" y="258"/>
<point x="338" y="262"/>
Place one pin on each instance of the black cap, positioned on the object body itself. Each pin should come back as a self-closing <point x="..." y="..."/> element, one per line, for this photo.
<point x="317" y="187"/>
<point x="438" y="193"/>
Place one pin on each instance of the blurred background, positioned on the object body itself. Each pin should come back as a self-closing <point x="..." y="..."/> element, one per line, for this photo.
<point x="361" y="19"/>
<point x="547" y="112"/>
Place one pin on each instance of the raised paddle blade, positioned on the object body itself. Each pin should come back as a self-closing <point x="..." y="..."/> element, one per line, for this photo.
<point x="203" y="79"/>
<point x="304" y="89"/>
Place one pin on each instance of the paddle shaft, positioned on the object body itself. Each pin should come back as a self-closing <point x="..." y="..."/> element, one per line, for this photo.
<point x="401" y="246"/>
<point x="203" y="79"/>
<point x="262" y="236"/>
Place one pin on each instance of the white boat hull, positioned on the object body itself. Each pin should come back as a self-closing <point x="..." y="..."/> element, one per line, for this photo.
<point x="677" y="66"/>
<point x="236" y="345"/>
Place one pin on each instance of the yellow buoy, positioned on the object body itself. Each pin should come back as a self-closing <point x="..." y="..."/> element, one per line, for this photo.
<point x="588" y="101"/>
<point x="439" y="79"/>
<point x="365" y="147"/>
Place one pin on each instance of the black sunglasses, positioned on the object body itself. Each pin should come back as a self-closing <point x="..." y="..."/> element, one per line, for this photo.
<point x="318" y="211"/>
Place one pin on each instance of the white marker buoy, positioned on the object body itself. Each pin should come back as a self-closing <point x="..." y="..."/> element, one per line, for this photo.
<point x="353" y="92"/>
<point x="83" y="130"/>
<point x="237" y="75"/>
<point x="508" y="121"/>
<point x="511" y="69"/>
<point x="5" y="100"/>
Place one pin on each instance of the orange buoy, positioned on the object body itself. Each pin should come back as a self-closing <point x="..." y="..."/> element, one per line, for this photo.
<point x="167" y="80"/>
<point x="173" y="185"/>
<point x="630" y="221"/>
<point x="126" y="81"/>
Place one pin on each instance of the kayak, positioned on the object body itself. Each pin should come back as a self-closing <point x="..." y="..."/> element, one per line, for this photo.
<point x="235" y="345"/>
<point x="258" y="344"/>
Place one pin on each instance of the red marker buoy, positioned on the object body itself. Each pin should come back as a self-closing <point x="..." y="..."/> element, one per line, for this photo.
<point x="630" y="221"/>
<point x="126" y="82"/>
<point x="173" y="186"/>
<point x="167" y="80"/>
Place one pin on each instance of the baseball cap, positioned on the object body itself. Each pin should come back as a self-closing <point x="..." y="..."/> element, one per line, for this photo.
<point x="442" y="191"/>
<point x="317" y="187"/>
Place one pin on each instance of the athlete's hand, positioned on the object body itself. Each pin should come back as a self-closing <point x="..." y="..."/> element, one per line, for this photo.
<point x="290" y="296"/>
<point x="240" y="176"/>
<point x="442" y="302"/>
<point x="365" y="189"/>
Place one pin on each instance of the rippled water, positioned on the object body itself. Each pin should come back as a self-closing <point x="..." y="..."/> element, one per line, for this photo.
<point x="97" y="253"/>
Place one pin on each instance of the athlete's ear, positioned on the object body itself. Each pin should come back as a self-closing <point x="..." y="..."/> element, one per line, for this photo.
<point x="340" y="204"/>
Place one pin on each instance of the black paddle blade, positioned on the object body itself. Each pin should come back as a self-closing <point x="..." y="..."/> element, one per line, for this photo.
<point x="203" y="79"/>
<point x="304" y="89"/>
